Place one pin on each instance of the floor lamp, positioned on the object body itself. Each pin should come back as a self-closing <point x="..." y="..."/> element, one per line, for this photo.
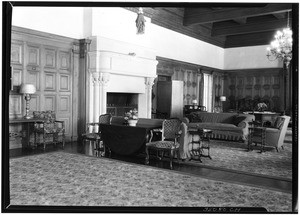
<point x="27" y="89"/>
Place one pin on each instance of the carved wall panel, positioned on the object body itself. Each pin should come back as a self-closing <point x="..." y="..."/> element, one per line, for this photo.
<point x="17" y="52"/>
<point x="50" y="58"/>
<point x="50" y="81"/>
<point x="64" y="82"/>
<point x="64" y="103"/>
<point x="50" y="102"/>
<point x="64" y="60"/>
<point x="17" y="77"/>
<point x="33" y="53"/>
<point x="15" y="105"/>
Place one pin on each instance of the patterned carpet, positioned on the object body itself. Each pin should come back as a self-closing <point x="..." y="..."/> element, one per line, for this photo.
<point x="234" y="156"/>
<point x="65" y="179"/>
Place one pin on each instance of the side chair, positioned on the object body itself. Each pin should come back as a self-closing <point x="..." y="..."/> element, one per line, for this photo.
<point x="49" y="127"/>
<point x="95" y="136"/>
<point x="171" y="131"/>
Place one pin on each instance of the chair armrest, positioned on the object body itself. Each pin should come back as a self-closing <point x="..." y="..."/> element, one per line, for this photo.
<point x="185" y="120"/>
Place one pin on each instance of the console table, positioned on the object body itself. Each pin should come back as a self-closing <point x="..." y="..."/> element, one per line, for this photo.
<point x="26" y="129"/>
<point x="124" y="139"/>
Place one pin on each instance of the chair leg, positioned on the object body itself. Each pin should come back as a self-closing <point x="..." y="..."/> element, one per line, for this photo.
<point x="147" y="155"/>
<point x="44" y="141"/>
<point x="171" y="159"/>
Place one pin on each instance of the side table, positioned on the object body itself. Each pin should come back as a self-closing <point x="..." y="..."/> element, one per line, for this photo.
<point x="204" y="142"/>
<point x="257" y="135"/>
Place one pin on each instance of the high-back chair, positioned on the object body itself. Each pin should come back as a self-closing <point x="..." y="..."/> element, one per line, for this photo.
<point x="48" y="127"/>
<point x="169" y="142"/>
<point x="95" y="136"/>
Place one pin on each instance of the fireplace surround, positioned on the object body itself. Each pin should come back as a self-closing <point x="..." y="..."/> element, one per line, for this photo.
<point x="114" y="70"/>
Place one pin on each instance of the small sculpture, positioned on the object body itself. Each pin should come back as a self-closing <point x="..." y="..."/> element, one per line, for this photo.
<point x="140" y="22"/>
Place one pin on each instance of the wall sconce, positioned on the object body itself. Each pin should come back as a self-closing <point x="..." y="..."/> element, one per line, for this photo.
<point x="27" y="89"/>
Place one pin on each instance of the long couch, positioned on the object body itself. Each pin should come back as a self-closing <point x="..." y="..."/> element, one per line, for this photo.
<point x="227" y="126"/>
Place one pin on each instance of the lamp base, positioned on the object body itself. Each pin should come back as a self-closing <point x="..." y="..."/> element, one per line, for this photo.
<point x="28" y="117"/>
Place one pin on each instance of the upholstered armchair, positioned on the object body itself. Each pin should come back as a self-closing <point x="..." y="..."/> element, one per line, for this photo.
<point x="49" y="127"/>
<point x="274" y="136"/>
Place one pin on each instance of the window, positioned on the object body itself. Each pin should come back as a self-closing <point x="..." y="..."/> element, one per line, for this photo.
<point x="207" y="91"/>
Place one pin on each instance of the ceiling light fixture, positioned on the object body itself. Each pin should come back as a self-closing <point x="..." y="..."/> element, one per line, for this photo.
<point x="281" y="47"/>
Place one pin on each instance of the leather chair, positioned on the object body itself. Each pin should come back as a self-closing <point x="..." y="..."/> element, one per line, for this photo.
<point x="274" y="136"/>
<point x="95" y="136"/>
<point x="49" y="127"/>
<point x="169" y="142"/>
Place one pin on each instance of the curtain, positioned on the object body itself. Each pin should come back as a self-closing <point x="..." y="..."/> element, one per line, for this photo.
<point x="207" y="91"/>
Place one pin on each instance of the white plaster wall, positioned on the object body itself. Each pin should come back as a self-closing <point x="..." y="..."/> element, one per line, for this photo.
<point x="248" y="58"/>
<point x="64" y="21"/>
<point x="119" y="24"/>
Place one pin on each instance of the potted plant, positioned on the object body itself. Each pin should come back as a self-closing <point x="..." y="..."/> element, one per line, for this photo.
<point x="132" y="117"/>
<point x="261" y="106"/>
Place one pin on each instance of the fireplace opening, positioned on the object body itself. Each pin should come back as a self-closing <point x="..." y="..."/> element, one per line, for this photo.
<point x="120" y="103"/>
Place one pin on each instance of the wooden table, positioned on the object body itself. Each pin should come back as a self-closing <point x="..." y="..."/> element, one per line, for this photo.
<point x="26" y="129"/>
<point x="257" y="134"/>
<point x="264" y="117"/>
<point x="126" y="140"/>
<point x="204" y="134"/>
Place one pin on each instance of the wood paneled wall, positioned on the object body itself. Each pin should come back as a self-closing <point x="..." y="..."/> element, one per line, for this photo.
<point x="49" y="62"/>
<point x="258" y="84"/>
<point x="191" y="75"/>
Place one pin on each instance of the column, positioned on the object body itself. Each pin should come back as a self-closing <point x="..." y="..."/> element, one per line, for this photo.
<point x="149" y="81"/>
<point x="96" y="96"/>
<point x="104" y="79"/>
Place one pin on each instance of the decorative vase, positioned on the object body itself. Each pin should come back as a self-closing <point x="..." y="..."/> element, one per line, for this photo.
<point x="132" y="122"/>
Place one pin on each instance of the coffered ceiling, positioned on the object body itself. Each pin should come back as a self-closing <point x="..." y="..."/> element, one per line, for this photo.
<point x="225" y="25"/>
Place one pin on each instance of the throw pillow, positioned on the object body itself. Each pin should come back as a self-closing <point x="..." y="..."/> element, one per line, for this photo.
<point x="279" y="122"/>
<point x="237" y="119"/>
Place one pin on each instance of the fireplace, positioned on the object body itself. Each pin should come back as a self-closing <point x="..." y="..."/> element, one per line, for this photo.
<point x="120" y="103"/>
<point x="118" y="80"/>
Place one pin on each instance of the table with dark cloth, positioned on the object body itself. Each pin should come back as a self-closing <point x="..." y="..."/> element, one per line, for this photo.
<point x="124" y="139"/>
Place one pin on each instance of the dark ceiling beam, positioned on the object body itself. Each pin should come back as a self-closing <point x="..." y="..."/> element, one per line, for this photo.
<point x="254" y="39"/>
<point x="279" y="15"/>
<point x="241" y="20"/>
<point x="218" y="30"/>
<point x="196" y="16"/>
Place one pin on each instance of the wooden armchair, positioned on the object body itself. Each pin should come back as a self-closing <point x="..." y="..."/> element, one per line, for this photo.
<point x="49" y="127"/>
<point x="95" y="136"/>
<point x="169" y="142"/>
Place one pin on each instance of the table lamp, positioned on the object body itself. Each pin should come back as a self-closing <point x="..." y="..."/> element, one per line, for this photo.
<point x="27" y="89"/>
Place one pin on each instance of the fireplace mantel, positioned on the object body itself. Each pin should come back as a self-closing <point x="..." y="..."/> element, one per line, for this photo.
<point x="121" y="68"/>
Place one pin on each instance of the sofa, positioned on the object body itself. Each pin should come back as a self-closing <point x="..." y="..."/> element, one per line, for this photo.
<point x="226" y="126"/>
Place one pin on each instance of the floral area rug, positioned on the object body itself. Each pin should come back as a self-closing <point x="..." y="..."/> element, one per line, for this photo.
<point x="65" y="179"/>
<point x="234" y="156"/>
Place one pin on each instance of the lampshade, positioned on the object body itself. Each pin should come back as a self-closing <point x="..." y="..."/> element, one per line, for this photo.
<point x="27" y="89"/>
<point x="222" y="98"/>
<point x="194" y="102"/>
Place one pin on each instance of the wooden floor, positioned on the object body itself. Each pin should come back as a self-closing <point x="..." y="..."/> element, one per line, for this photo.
<point x="192" y="169"/>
